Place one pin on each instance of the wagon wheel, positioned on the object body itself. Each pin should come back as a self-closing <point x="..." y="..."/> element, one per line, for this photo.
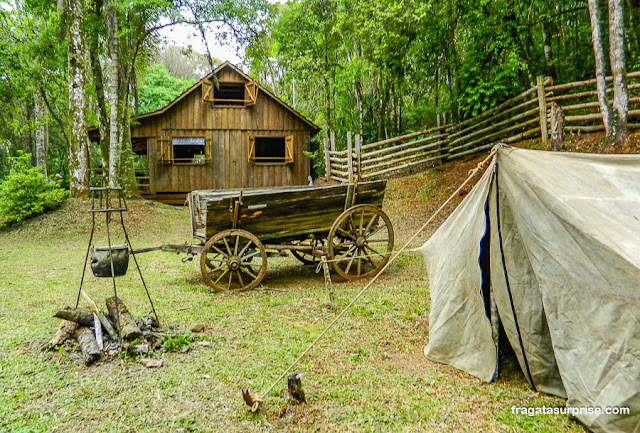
<point x="233" y="260"/>
<point x="360" y="242"/>
<point x="305" y="257"/>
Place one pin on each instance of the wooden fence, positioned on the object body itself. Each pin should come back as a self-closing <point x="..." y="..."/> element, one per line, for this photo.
<point x="525" y="116"/>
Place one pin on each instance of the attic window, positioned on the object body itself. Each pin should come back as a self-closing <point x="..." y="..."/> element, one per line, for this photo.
<point x="276" y="150"/>
<point x="229" y="93"/>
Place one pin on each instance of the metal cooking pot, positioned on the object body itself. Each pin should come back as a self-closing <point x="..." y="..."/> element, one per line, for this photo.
<point x="101" y="264"/>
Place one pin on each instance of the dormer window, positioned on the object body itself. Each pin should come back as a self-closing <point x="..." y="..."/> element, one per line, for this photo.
<point x="230" y="93"/>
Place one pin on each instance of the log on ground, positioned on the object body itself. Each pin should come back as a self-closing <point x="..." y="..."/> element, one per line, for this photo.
<point x="81" y="316"/>
<point x="88" y="345"/>
<point x="65" y="331"/>
<point x="129" y="330"/>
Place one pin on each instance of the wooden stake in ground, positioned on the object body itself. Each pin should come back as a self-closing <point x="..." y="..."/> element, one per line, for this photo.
<point x="557" y="126"/>
<point x="129" y="331"/>
<point x="90" y="349"/>
<point x="294" y="383"/>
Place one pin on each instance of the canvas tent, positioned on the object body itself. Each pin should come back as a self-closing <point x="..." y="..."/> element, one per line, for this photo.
<point x="548" y="244"/>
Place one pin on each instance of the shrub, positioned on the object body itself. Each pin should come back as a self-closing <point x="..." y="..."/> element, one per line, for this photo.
<point x="26" y="191"/>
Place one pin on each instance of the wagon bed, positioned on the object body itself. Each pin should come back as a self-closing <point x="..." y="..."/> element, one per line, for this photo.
<point x="343" y="223"/>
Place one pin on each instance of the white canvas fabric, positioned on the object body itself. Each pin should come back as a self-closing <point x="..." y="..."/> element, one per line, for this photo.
<point x="564" y="250"/>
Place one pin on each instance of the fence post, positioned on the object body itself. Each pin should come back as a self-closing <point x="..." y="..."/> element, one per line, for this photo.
<point x="332" y="135"/>
<point x="350" y="156"/>
<point x="358" y="151"/>
<point x="327" y="159"/>
<point x="542" y="104"/>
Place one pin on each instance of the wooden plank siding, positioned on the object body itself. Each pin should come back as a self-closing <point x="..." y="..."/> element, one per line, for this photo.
<point x="229" y="128"/>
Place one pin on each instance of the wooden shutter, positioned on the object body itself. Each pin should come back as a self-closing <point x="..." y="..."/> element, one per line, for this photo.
<point x="207" y="91"/>
<point x="252" y="148"/>
<point x="165" y="150"/>
<point x="288" y="149"/>
<point x="250" y="93"/>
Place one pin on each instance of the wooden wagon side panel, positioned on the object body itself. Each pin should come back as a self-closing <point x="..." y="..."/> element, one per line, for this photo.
<point x="280" y="213"/>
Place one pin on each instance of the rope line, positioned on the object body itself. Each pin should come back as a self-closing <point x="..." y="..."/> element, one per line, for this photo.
<point x="472" y="173"/>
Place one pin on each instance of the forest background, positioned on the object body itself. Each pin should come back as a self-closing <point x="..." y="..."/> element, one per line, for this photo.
<point x="378" y="69"/>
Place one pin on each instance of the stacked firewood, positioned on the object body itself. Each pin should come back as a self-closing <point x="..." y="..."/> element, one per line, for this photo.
<point x="98" y="333"/>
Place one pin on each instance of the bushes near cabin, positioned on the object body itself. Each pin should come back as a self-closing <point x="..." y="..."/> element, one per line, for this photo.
<point x="26" y="192"/>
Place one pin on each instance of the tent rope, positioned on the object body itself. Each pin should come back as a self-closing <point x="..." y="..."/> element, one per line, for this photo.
<point x="472" y="173"/>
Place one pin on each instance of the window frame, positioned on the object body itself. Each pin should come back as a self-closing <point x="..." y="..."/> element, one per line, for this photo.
<point x="288" y="151"/>
<point x="166" y="154"/>
<point x="250" y="93"/>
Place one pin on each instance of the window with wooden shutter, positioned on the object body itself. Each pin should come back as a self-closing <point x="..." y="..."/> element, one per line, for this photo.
<point x="271" y="150"/>
<point x="184" y="150"/>
<point x="288" y="149"/>
<point x="207" y="91"/>
<point x="250" y="93"/>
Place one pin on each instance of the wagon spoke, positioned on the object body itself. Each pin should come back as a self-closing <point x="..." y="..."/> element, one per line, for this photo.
<point x="346" y="233"/>
<point x="353" y="225"/>
<point x="246" y="247"/>
<point x="377" y="253"/>
<point x="222" y="266"/>
<point x="218" y="250"/>
<point x="361" y="223"/>
<point x="376" y="230"/>
<point x="349" y="264"/>
<point x="227" y="245"/>
<point x="250" y="273"/>
<point x="346" y="254"/>
<point x="372" y="262"/>
<point x="212" y="259"/>
<point x="343" y="244"/>
<point x="230" y="279"/>
<point x="359" y="265"/>
<point x="374" y="220"/>
<point x="220" y="277"/>
<point x="240" y="278"/>
<point x="235" y="250"/>
<point x="253" y="254"/>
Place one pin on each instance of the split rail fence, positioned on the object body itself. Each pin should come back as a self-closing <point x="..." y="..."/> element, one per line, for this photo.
<point x="523" y="117"/>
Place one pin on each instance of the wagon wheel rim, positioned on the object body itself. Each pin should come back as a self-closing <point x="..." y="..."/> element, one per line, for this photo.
<point x="360" y="242"/>
<point x="233" y="260"/>
<point x="305" y="257"/>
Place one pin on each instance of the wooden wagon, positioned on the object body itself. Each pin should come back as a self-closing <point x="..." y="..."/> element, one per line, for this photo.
<point x="240" y="228"/>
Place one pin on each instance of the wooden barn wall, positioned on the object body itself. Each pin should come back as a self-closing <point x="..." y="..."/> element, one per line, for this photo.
<point x="229" y="128"/>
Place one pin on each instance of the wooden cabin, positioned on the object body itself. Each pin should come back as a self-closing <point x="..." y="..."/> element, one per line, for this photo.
<point x="238" y="135"/>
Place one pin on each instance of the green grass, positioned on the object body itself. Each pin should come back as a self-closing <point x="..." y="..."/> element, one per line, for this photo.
<point x="367" y="375"/>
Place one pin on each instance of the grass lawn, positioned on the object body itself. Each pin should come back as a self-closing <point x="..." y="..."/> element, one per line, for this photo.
<point x="367" y="375"/>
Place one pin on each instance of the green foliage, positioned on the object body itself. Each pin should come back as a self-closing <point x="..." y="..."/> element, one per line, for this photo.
<point x="159" y="88"/>
<point x="27" y="192"/>
<point x="178" y="343"/>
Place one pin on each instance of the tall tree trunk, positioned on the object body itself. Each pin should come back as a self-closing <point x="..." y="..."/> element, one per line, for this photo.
<point x="616" y="56"/>
<point x="601" y="85"/>
<point x="100" y="105"/>
<point x="115" y="135"/>
<point x="41" y="133"/>
<point x="78" y="161"/>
